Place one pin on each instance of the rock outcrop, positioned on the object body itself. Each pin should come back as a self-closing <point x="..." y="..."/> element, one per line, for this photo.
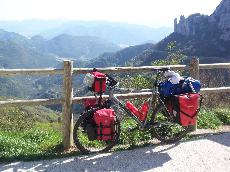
<point x="203" y="36"/>
<point x="222" y="18"/>
<point x="216" y="24"/>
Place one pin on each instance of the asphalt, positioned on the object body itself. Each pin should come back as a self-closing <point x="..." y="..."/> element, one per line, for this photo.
<point x="210" y="153"/>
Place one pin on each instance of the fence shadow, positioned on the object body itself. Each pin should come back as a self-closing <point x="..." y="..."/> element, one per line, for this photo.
<point x="131" y="160"/>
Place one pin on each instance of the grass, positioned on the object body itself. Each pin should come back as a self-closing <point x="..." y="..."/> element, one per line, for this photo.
<point x="43" y="140"/>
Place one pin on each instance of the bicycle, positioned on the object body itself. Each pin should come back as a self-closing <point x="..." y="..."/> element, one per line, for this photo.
<point x="162" y="123"/>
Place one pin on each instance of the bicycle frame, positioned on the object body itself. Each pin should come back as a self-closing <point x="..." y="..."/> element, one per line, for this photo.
<point x="155" y="94"/>
<point x="130" y="114"/>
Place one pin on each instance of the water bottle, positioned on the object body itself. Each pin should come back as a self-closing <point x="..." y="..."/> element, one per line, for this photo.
<point x="144" y="111"/>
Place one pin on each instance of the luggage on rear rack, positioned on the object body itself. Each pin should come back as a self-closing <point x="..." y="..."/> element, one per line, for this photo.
<point x="167" y="89"/>
<point x="191" y="85"/>
<point x="186" y="85"/>
<point x="105" y="124"/>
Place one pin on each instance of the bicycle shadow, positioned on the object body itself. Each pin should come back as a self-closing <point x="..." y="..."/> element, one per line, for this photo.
<point x="141" y="159"/>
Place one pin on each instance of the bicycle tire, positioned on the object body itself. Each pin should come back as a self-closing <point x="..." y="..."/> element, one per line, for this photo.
<point x="167" y="130"/>
<point x="85" y="145"/>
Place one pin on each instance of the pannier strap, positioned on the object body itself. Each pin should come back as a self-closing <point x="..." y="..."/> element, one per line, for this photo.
<point x="195" y="114"/>
<point x="106" y="126"/>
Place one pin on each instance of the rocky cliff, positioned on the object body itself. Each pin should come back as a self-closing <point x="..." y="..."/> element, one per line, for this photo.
<point x="221" y="17"/>
<point x="203" y="36"/>
<point x="216" y="24"/>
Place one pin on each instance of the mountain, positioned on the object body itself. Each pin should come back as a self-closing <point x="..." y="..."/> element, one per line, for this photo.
<point x="31" y="27"/>
<point x="119" y="58"/>
<point x="17" y="51"/>
<point x="118" y="33"/>
<point x="207" y="37"/>
<point x="76" y="47"/>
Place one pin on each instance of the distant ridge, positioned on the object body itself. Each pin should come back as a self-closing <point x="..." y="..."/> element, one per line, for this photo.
<point x="118" y="33"/>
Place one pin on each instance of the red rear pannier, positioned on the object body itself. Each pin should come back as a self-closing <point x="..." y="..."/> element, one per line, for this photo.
<point x="99" y="84"/>
<point x="105" y="121"/>
<point x="187" y="108"/>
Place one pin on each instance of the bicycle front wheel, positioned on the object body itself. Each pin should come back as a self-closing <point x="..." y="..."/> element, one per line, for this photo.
<point x="86" y="144"/>
<point x="165" y="128"/>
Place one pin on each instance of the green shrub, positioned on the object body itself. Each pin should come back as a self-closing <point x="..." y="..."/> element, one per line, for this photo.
<point x="15" y="119"/>
<point x="223" y="115"/>
<point x="208" y="119"/>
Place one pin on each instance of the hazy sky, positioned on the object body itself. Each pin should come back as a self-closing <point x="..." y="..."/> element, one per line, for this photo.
<point x="147" y="12"/>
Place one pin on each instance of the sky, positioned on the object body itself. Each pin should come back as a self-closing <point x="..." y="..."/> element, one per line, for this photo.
<point x="154" y="13"/>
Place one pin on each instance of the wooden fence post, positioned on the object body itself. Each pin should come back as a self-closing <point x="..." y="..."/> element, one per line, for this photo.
<point x="194" y="73"/>
<point x="67" y="105"/>
<point x="194" y="68"/>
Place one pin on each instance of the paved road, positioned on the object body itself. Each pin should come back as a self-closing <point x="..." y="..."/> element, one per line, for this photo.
<point x="210" y="153"/>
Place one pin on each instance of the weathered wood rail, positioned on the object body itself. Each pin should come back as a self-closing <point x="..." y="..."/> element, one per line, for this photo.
<point x="68" y="100"/>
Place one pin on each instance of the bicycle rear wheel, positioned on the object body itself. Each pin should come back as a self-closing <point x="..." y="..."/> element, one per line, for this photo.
<point x="166" y="129"/>
<point x="82" y="139"/>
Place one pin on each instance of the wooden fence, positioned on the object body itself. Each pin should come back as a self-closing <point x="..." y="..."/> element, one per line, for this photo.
<point x="68" y="100"/>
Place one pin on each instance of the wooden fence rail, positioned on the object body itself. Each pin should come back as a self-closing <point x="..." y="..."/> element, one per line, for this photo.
<point x="68" y="100"/>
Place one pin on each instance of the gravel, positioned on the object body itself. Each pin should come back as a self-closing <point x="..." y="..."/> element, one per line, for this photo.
<point x="209" y="153"/>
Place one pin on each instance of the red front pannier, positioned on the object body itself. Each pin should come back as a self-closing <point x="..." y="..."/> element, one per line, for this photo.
<point x="187" y="107"/>
<point x="99" y="84"/>
<point x="105" y="121"/>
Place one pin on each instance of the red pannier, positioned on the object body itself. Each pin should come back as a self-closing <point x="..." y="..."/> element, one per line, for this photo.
<point x="105" y="121"/>
<point x="187" y="107"/>
<point x="99" y="84"/>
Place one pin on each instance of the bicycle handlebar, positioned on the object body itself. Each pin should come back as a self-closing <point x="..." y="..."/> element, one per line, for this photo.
<point x="111" y="82"/>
